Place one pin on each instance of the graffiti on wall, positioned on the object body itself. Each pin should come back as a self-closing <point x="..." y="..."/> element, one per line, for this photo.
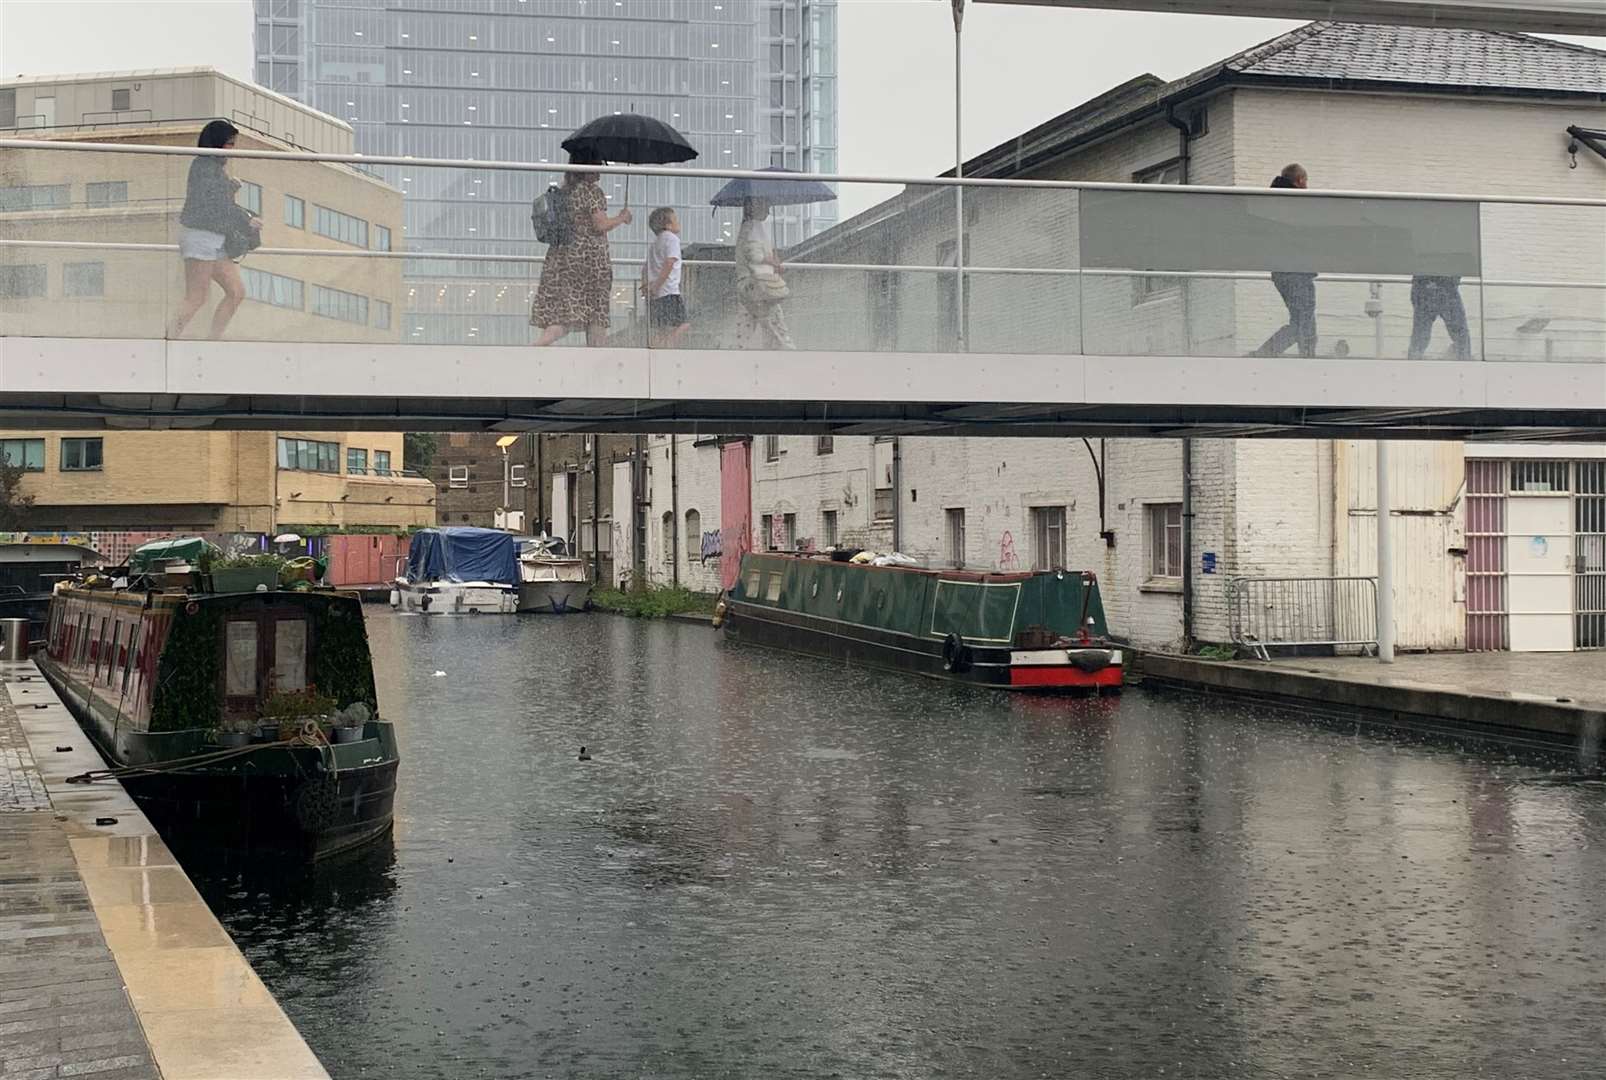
<point x="1007" y="559"/>
<point x="712" y="545"/>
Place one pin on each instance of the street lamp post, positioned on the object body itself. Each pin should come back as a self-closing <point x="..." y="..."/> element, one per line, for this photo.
<point x="503" y="444"/>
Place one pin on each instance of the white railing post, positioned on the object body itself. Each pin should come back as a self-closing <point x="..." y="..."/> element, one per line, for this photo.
<point x="1385" y="558"/>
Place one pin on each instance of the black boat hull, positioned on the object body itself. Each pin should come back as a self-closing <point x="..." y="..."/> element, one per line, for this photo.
<point x="306" y="817"/>
<point x="985" y="666"/>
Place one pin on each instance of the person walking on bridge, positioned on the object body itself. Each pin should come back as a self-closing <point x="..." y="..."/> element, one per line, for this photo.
<point x="1297" y="288"/>
<point x="577" y="277"/>
<point x="1438" y="297"/>
<point x="214" y="230"/>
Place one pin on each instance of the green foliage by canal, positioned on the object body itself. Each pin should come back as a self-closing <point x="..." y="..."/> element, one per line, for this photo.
<point x="654" y="601"/>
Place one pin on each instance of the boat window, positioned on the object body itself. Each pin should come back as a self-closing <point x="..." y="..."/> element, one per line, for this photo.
<point x="240" y="676"/>
<point x="772" y="590"/>
<point x="751" y="587"/>
<point x="97" y="649"/>
<point x="289" y="655"/>
<point x="133" y="655"/>
<point x="111" y="651"/>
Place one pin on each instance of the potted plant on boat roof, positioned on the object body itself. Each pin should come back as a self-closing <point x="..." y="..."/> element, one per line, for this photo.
<point x="245" y="573"/>
<point x="233" y="731"/>
<point x="349" y="723"/>
<point x="286" y="712"/>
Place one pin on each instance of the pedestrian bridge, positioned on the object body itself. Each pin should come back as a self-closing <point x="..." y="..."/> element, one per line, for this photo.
<point x="1107" y="309"/>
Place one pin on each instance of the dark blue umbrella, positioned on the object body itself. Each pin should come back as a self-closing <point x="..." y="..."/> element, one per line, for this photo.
<point x="775" y="192"/>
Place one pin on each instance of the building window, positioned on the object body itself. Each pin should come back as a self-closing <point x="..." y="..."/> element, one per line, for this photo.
<point x="80" y="455"/>
<point x="295" y="212"/>
<point x="381" y="462"/>
<point x="275" y="289"/>
<point x="338" y="226"/>
<point x="21" y="282"/>
<point x="8" y="108"/>
<point x="336" y="304"/>
<point x="1153" y="286"/>
<point x="381" y="238"/>
<point x="457" y="476"/>
<point x="518" y="475"/>
<point x="824" y="444"/>
<point x="309" y="455"/>
<point x="1048" y="537"/>
<point x="83" y="279"/>
<point x="356" y="461"/>
<point x="694" y="534"/>
<point x="667" y="535"/>
<point x="788" y="532"/>
<point x="122" y="100"/>
<point x="767" y="525"/>
<point x="35" y="197"/>
<point x="381" y="314"/>
<point x="1165" y="539"/>
<point x="828" y="528"/>
<point x="1538" y="477"/>
<point x="25" y="454"/>
<point x="956" y="536"/>
<point x="250" y="197"/>
<point x="100" y="194"/>
<point x="772" y="448"/>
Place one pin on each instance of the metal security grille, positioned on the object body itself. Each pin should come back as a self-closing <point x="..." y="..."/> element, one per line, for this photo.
<point x="1486" y="555"/>
<point x="1538" y="477"/>
<point x="1589" y="554"/>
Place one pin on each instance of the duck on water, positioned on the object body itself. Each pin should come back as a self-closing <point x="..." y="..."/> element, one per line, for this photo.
<point x="246" y="720"/>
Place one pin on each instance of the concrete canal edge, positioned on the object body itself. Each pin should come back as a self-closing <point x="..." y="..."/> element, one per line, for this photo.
<point x="1396" y="702"/>
<point x="203" y="1011"/>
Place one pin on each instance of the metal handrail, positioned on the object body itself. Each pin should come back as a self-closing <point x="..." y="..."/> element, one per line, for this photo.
<point x="403" y="161"/>
<point x="1019" y="271"/>
<point x="1296" y="612"/>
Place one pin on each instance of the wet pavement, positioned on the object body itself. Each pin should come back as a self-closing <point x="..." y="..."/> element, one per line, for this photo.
<point x="776" y="866"/>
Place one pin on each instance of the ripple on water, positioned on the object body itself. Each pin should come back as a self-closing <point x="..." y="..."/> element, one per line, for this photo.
<point x="781" y="867"/>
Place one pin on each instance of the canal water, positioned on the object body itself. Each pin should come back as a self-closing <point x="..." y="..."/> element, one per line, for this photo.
<point x="780" y="867"/>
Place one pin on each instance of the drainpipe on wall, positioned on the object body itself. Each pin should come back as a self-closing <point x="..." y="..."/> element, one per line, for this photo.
<point x="1187" y="444"/>
<point x="596" y="510"/>
<point x="674" y="512"/>
<point x="540" y="481"/>
<point x="897" y="493"/>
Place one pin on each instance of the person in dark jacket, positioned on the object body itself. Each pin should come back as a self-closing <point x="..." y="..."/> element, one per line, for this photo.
<point x="210" y="212"/>
<point x="1298" y="290"/>
<point x="1435" y="297"/>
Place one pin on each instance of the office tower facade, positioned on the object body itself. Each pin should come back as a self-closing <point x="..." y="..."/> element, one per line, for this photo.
<point x="751" y="83"/>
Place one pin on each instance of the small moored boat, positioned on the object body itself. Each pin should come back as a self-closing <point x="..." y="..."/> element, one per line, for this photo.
<point x="1042" y="630"/>
<point x="550" y="583"/>
<point x="242" y="720"/>
<point x="459" y="571"/>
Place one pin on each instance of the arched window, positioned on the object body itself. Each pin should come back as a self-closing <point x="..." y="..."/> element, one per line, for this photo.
<point x="669" y="537"/>
<point x="694" y="536"/>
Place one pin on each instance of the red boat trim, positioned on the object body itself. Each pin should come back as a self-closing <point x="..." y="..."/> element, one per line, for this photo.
<point x="1064" y="676"/>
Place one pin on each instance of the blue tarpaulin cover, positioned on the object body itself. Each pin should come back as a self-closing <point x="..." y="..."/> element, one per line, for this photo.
<point x="463" y="554"/>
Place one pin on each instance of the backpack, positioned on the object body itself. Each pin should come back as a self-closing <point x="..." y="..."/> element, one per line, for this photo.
<point x="549" y="215"/>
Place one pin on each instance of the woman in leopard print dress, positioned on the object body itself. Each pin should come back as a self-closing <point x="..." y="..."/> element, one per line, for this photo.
<point x="577" y="280"/>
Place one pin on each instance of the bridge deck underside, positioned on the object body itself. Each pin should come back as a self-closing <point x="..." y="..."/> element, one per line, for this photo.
<point x="71" y="382"/>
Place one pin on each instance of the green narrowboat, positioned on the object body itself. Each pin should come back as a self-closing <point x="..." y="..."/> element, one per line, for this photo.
<point x="1041" y="630"/>
<point x="193" y="697"/>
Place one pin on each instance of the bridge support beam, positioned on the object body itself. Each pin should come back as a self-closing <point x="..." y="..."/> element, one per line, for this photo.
<point x="1385" y="558"/>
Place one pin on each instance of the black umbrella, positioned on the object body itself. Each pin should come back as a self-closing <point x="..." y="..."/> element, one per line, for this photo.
<point x="632" y="139"/>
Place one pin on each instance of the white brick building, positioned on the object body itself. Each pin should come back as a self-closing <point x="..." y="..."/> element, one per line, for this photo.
<point x="1362" y="107"/>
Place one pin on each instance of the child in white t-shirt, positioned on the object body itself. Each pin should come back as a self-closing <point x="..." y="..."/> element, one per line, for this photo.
<point x="660" y="280"/>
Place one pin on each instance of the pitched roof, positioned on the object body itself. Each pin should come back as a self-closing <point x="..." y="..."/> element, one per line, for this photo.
<point x="1425" y="56"/>
<point x="1351" y="56"/>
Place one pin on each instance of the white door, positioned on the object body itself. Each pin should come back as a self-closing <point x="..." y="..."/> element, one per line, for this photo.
<point x="1539" y="572"/>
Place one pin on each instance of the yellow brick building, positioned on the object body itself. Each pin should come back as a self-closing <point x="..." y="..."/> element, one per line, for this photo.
<point x="77" y="233"/>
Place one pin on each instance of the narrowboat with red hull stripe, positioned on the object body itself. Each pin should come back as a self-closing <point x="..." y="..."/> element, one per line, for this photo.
<point x="1042" y="630"/>
<point x="172" y="687"/>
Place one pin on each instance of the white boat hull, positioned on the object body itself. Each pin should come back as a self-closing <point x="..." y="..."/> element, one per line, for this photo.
<point x="554" y="597"/>
<point x="454" y="598"/>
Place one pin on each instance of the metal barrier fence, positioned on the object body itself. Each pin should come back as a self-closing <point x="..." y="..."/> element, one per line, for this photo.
<point x="1269" y="613"/>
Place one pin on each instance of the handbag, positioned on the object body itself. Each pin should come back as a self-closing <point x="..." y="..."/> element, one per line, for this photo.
<point x="768" y="283"/>
<point x="240" y="236"/>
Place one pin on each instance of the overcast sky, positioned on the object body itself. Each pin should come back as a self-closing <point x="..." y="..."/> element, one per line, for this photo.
<point x="1022" y="65"/>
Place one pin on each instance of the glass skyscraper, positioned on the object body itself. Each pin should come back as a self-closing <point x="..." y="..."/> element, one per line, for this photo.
<point x="751" y="83"/>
